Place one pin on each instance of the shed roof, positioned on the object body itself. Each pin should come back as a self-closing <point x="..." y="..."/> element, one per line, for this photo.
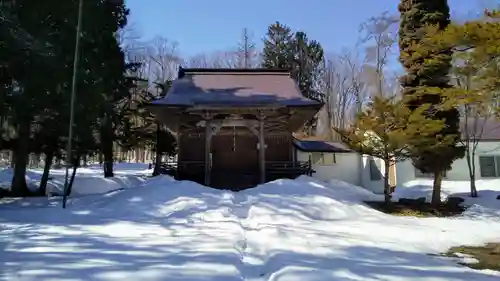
<point x="320" y="146"/>
<point x="234" y="87"/>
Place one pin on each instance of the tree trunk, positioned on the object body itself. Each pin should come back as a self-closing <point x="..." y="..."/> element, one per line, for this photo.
<point x="49" y="157"/>
<point x="107" y="147"/>
<point x="473" y="189"/>
<point x="73" y="173"/>
<point x="436" y="188"/>
<point x="108" y="166"/>
<point x="387" y="186"/>
<point x="85" y="164"/>
<point x="472" y="173"/>
<point x="156" y="170"/>
<point x="12" y="159"/>
<point x="19" y="186"/>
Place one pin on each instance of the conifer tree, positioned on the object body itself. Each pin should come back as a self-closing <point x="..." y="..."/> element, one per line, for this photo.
<point x="429" y="69"/>
<point x="476" y="48"/>
<point x="293" y="51"/>
<point x="387" y="129"/>
<point x="284" y="49"/>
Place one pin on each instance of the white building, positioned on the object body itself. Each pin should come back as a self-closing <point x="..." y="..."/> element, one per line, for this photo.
<point x="333" y="160"/>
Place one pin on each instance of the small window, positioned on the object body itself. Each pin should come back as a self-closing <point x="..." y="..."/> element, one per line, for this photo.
<point x="489" y="166"/>
<point x="375" y="174"/>
<point x="317" y="158"/>
<point x="320" y="158"/>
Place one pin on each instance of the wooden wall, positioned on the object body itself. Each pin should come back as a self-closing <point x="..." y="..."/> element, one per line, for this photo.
<point x="192" y="146"/>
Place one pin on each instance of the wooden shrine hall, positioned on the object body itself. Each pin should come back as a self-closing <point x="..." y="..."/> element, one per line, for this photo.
<point x="234" y="126"/>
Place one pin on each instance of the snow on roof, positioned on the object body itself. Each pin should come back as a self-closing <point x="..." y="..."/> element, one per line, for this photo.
<point x="234" y="87"/>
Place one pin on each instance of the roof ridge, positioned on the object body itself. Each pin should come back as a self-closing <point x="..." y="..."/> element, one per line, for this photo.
<point x="226" y="71"/>
<point x="238" y="73"/>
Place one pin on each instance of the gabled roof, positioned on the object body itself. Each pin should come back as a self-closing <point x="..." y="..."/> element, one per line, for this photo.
<point x="482" y="129"/>
<point x="234" y="87"/>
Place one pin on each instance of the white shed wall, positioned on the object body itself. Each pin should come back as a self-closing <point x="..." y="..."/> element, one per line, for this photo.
<point x="347" y="167"/>
<point x="405" y="171"/>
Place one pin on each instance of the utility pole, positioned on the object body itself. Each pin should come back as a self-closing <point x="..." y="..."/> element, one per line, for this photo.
<point x="72" y="102"/>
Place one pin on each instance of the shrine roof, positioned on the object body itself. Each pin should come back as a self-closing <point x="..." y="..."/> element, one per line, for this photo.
<point x="234" y="87"/>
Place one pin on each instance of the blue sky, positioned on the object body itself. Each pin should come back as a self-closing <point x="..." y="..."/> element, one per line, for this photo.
<point x="211" y="25"/>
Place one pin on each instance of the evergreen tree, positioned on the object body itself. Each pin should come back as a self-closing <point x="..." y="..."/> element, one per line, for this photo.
<point x="146" y="130"/>
<point x="429" y="69"/>
<point x="111" y="83"/>
<point x="29" y="91"/>
<point x="277" y="52"/>
<point x="387" y="129"/>
<point x="307" y="61"/>
<point x="284" y="49"/>
<point x="476" y="47"/>
<point x="35" y="108"/>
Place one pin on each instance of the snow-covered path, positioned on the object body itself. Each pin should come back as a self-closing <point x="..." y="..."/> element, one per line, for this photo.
<point x="285" y="230"/>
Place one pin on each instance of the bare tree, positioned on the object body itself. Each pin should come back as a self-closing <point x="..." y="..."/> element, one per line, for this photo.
<point x="344" y="89"/>
<point x="379" y="38"/>
<point x="217" y="59"/>
<point x="164" y="59"/>
<point x="245" y="55"/>
<point x="478" y="115"/>
<point x="246" y="52"/>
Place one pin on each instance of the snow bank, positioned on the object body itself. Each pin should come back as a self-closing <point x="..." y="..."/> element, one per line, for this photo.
<point x="423" y="188"/>
<point x="485" y="203"/>
<point x="32" y="178"/>
<point x="119" y="169"/>
<point x="300" y="229"/>
<point x="88" y="180"/>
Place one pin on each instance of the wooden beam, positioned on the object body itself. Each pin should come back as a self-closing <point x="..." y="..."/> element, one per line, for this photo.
<point x="262" y="150"/>
<point x="230" y="123"/>
<point x="235" y="108"/>
<point x="208" y="138"/>
<point x="254" y="131"/>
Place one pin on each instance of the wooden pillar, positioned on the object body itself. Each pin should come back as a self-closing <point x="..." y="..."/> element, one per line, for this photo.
<point x="262" y="150"/>
<point x="208" y="138"/>
<point x="177" y="157"/>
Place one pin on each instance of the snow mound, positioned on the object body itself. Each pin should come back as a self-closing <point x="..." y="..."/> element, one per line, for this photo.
<point x="32" y="179"/>
<point x="119" y="169"/>
<point x="355" y="191"/>
<point x="85" y="185"/>
<point x="302" y="229"/>
<point x="88" y="180"/>
<point x="308" y="199"/>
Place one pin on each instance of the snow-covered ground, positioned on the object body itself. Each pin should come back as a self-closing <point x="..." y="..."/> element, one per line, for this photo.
<point x="285" y="230"/>
<point x="90" y="180"/>
<point x="488" y="191"/>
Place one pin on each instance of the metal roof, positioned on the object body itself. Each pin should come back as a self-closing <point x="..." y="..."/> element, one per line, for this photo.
<point x="320" y="146"/>
<point x="237" y="87"/>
